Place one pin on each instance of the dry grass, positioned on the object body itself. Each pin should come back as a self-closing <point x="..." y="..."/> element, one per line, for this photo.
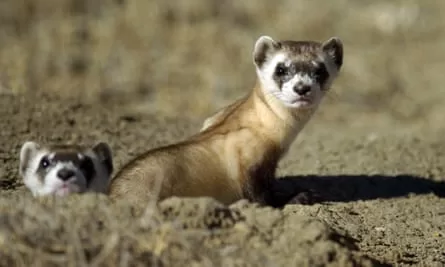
<point x="172" y="56"/>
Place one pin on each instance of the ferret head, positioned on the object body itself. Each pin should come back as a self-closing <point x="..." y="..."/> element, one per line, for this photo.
<point x="298" y="73"/>
<point x="63" y="170"/>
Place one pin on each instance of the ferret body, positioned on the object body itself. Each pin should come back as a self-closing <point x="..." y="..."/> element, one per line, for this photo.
<point x="237" y="151"/>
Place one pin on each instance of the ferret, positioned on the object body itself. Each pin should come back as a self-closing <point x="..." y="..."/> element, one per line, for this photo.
<point x="236" y="152"/>
<point x="62" y="170"/>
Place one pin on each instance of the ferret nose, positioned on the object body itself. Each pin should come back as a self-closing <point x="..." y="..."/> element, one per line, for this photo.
<point x="65" y="174"/>
<point x="302" y="89"/>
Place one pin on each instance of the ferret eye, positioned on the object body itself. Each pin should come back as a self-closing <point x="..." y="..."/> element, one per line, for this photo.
<point x="280" y="70"/>
<point x="44" y="163"/>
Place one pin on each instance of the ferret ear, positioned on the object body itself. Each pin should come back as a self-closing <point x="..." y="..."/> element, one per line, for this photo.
<point x="263" y="47"/>
<point x="334" y="48"/>
<point x="28" y="150"/>
<point x="105" y="156"/>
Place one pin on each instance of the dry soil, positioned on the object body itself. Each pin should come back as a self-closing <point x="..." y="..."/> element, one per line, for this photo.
<point x="381" y="198"/>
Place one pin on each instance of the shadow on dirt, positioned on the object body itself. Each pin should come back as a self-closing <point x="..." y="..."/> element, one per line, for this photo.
<point x="310" y="189"/>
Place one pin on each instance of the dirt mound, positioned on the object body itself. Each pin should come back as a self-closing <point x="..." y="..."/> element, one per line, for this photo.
<point x="196" y="232"/>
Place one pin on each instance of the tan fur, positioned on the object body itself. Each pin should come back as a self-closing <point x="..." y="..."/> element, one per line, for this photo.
<point x="221" y="114"/>
<point x="234" y="156"/>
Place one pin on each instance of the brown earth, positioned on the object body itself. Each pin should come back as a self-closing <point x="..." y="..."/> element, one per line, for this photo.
<point x="139" y="74"/>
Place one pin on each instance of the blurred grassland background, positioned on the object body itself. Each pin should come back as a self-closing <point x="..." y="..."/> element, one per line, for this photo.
<point x="191" y="57"/>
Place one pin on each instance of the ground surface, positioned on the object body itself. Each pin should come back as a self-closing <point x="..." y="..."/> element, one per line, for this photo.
<point x="382" y="195"/>
<point x="139" y="74"/>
